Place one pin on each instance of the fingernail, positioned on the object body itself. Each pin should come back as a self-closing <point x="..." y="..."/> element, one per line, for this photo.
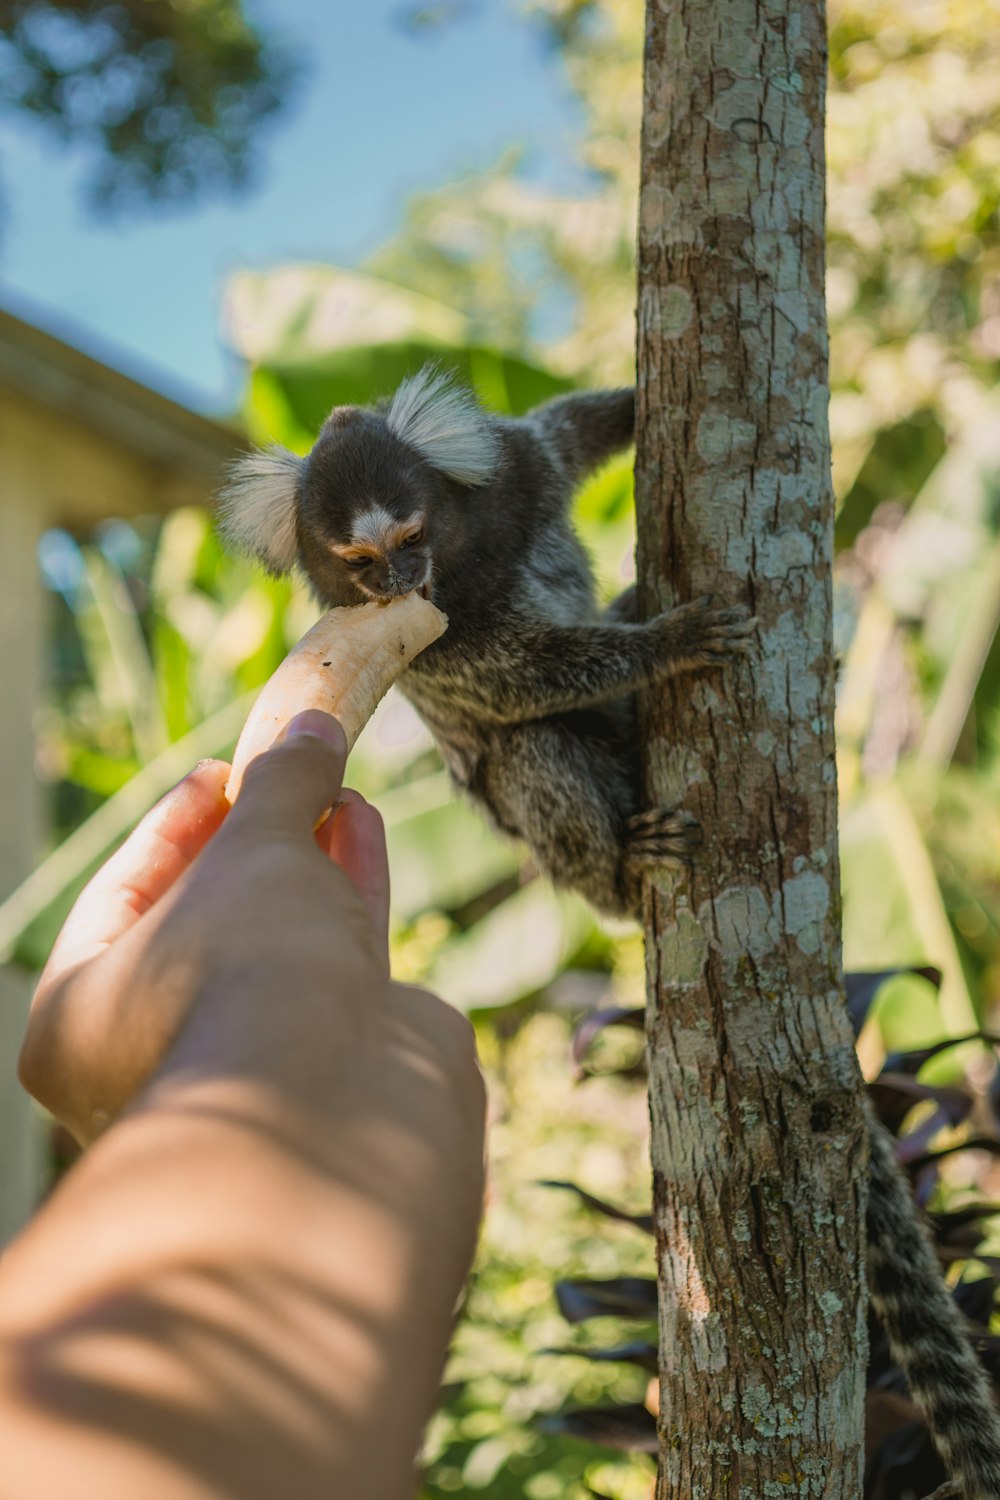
<point x="323" y="726"/>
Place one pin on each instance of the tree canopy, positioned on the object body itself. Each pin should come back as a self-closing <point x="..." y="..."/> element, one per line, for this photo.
<point x="166" y="97"/>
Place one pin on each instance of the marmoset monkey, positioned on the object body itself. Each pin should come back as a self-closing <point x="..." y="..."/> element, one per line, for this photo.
<point x="530" y="695"/>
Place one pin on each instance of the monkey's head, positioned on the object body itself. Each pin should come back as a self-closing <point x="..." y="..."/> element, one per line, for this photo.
<point x="372" y="511"/>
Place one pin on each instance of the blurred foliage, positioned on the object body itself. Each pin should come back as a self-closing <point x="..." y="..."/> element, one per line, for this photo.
<point x="490" y="1436"/>
<point x="167" y="95"/>
<point x="531" y="269"/>
<point x="937" y="1128"/>
<point x="426" y="20"/>
<point x="526" y="293"/>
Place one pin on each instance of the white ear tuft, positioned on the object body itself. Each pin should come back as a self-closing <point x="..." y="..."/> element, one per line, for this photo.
<point x="447" y="425"/>
<point x="257" y="506"/>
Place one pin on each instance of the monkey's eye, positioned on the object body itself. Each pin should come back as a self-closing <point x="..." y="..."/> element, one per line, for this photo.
<point x="414" y="538"/>
<point x="358" y="562"/>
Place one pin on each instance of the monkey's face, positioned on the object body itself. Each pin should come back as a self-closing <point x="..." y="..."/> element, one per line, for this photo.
<point x="383" y="505"/>
<point x="365" y="513"/>
<point x="386" y="555"/>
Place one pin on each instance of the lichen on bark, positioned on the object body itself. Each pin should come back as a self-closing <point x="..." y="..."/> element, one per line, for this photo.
<point x="759" y="1194"/>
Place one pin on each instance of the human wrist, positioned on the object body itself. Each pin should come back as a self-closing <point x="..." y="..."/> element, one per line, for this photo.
<point x="409" y="1148"/>
<point x="359" y="1064"/>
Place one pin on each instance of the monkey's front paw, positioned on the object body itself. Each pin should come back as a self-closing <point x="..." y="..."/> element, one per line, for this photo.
<point x="701" y="635"/>
<point x="662" y="833"/>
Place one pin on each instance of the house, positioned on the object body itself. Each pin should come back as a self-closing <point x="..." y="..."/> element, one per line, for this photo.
<point x="79" y="442"/>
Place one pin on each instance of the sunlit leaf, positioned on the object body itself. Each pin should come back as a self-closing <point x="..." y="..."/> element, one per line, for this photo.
<point x="441" y="856"/>
<point x="616" y="1297"/>
<point x="913" y="1060"/>
<point x="31" y="915"/>
<point x="894" y="914"/>
<point x="861" y="988"/>
<point x="986" y="1143"/>
<point x="514" y="951"/>
<point x="894" y="1095"/>
<point x="639" y="1352"/>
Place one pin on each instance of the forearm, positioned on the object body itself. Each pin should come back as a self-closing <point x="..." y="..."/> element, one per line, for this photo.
<point x="557" y="669"/>
<point x="247" y="1285"/>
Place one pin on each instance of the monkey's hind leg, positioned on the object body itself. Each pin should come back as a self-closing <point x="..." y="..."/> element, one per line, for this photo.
<point x="567" y="786"/>
<point x="660" y="835"/>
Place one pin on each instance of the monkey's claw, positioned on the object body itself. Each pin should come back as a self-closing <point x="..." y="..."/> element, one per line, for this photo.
<point x="662" y="833"/>
<point x="700" y="635"/>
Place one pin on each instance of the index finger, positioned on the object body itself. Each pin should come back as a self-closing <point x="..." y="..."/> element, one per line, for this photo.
<point x="289" y="787"/>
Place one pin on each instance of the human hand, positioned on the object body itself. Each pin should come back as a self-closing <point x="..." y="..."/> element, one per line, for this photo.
<point x="198" y="890"/>
<point x="280" y="1225"/>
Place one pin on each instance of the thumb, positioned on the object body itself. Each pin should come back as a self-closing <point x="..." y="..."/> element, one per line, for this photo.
<point x="293" y="784"/>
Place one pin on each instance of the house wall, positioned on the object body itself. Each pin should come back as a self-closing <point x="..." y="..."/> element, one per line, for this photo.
<point x="56" y="470"/>
<point x="22" y="638"/>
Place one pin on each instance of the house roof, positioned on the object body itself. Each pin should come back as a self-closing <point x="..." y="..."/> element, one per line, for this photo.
<point x="38" y="367"/>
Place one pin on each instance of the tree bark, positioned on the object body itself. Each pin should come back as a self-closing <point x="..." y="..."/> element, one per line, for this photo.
<point x="759" y="1152"/>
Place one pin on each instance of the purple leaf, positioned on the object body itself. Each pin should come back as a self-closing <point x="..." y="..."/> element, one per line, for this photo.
<point x="862" y="987"/>
<point x="903" y="1465"/>
<point x="976" y="1299"/>
<point x="618" y="1297"/>
<point x="948" y="1227"/>
<point x="895" y="1094"/>
<point x="987" y="1347"/>
<point x="993" y="1095"/>
<point x="912" y="1062"/>
<point x="599" y="1020"/>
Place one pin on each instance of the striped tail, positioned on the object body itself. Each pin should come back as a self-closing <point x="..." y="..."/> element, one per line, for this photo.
<point x="926" y="1331"/>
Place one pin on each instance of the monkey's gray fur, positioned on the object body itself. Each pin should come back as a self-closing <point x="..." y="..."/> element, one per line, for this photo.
<point x="530" y="692"/>
<point x="530" y="695"/>
<point x="926" y="1331"/>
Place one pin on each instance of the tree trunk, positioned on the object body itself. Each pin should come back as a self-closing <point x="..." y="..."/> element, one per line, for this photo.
<point x="758" y="1147"/>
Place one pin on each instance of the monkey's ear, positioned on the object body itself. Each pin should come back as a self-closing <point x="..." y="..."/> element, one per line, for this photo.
<point x="445" y="423"/>
<point x="257" y="506"/>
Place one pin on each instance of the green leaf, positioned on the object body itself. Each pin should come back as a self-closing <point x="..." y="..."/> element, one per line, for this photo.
<point x="33" y="913"/>
<point x="299" y="313"/>
<point x="442" y="857"/>
<point x="516" y="950"/>
<point x="98" y="772"/>
<point x="290" y="402"/>
<point x="894" y="915"/>
<point x="128" y="656"/>
<point x="319" y="337"/>
<point x="604" y="513"/>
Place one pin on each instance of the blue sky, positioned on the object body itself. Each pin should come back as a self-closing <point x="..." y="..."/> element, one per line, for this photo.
<point x="377" y="115"/>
